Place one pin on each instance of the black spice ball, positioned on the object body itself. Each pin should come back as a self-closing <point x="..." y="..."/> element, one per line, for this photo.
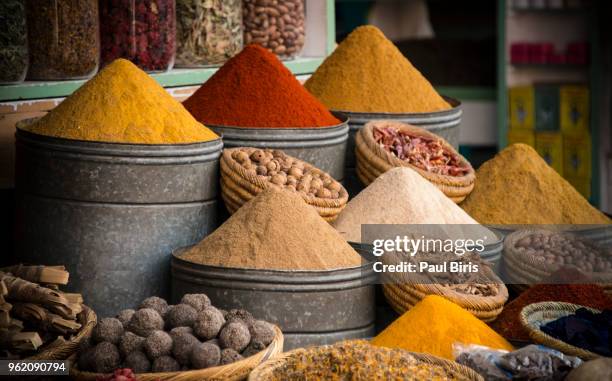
<point x="105" y="358"/>
<point x="125" y="316"/>
<point x="197" y="301"/>
<point x="145" y="321"/>
<point x="235" y="335"/>
<point x="180" y="315"/>
<point x="176" y="330"/>
<point x="208" y="323"/>
<point x="229" y="356"/>
<point x="237" y="314"/>
<point x="205" y="355"/>
<point x="107" y="329"/>
<point x="85" y="360"/>
<point x="129" y="343"/>
<point x="254" y="348"/>
<point x="262" y="331"/>
<point x="182" y="346"/>
<point x="156" y="303"/>
<point x="138" y="362"/>
<point x="165" y="364"/>
<point x="158" y="343"/>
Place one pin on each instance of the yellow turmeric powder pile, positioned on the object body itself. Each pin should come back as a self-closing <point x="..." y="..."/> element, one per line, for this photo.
<point x="367" y="73"/>
<point x="433" y="325"/>
<point x="122" y="104"/>
<point x="518" y="187"/>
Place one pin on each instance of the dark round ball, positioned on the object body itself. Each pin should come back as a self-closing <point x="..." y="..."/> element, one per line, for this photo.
<point x="235" y="335"/>
<point x="197" y="301"/>
<point x="213" y="341"/>
<point x="86" y="359"/>
<point x="229" y="356"/>
<point x="125" y="316"/>
<point x="262" y="331"/>
<point x="254" y="348"/>
<point x="138" y="362"/>
<point x="158" y="343"/>
<point x="107" y="329"/>
<point x="208" y="323"/>
<point x="165" y="364"/>
<point x="205" y="355"/>
<point x="129" y="343"/>
<point x="105" y="358"/>
<point x="242" y="315"/>
<point x="145" y="321"/>
<point x="224" y="312"/>
<point x="176" y="330"/>
<point x="181" y="315"/>
<point x="182" y="346"/>
<point x="156" y="303"/>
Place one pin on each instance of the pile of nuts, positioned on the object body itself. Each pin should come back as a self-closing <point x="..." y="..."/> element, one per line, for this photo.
<point x="158" y="337"/>
<point x="287" y="172"/>
<point x="276" y="25"/>
<point x="559" y="249"/>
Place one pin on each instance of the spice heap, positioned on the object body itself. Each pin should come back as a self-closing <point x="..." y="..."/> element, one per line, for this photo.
<point x="402" y="196"/>
<point x="288" y="173"/>
<point x="423" y="152"/>
<point x="434" y="325"/>
<point x="158" y="337"/>
<point x="518" y="176"/>
<point x="276" y="230"/>
<point x="508" y="323"/>
<point x="122" y="104"/>
<point x="254" y="89"/>
<point x="367" y="73"/>
<point x="34" y="314"/>
<point x="584" y="329"/>
<point x="355" y="360"/>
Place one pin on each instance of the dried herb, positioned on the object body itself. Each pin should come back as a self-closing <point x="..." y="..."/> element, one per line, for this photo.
<point x="13" y="41"/>
<point x="142" y="31"/>
<point x="208" y="31"/>
<point x="276" y="25"/>
<point x="63" y="38"/>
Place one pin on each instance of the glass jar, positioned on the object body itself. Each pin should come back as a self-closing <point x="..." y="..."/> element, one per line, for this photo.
<point x="278" y="26"/>
<point x="208" y="32"/>
<point x="142" y="31"/>
<point x="13" y="42"/>
<point x="63" y="39"/>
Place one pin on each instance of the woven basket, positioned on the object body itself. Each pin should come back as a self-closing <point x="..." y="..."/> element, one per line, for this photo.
<point x="373" y="160"/>
<point x="457" y="371"/>
<point x="533" y="316"/>
<point x="522" y="270"/>
<point x="236" y="371"/>
<point x="61" y="350"/>
<point x="238" y="186"/>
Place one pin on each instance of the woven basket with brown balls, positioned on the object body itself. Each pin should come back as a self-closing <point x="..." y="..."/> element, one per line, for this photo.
<point x="379" y="143"/>
<point x="246" y="171"/>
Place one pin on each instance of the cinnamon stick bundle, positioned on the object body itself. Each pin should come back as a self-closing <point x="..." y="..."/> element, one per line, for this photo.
<point x="44" y="319"/>
<point x="40" y="274"/>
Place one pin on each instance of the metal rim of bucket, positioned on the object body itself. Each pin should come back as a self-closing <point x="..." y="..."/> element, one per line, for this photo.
<point x="272" y="137"/>
<point x="449" y="116"/>
<point x="209" y="150"/>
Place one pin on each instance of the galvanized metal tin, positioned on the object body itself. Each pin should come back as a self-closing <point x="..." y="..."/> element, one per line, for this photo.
<point x="323" y="147"/>
<point x="112" y="213"/>
<point x="311" y="307"/>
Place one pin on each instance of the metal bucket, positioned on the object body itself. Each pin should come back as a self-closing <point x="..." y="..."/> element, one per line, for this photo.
<point x="311" y="307"/>
<point x="443" y="123"/>
<point x="112" y="213"/>
<point x="323" y="147"/>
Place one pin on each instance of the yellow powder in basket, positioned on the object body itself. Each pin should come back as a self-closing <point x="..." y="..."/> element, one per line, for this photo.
<point x="433" y="325"/>
<point x="518" y="187"/>
<point x="276" y="230"/>
<point x="122" y="104"/>
<point x="367" y="73"/>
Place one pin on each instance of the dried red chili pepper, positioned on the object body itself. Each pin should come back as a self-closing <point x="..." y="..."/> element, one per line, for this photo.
<point x="142" y="31"/>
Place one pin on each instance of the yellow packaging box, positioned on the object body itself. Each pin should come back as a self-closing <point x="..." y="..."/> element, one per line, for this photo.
<point x="550" y="146"/>
<point x="582" y="185"/>
<point x="574" y="109"/>
<point x="521" y="136"/>
<point x="521" y="107"/>
<point x="577" y="156"/>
